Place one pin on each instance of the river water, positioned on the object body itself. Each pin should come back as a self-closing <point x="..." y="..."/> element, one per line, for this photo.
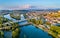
<point x="29" y="31"/>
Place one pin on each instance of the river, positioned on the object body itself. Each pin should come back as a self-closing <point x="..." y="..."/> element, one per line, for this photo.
<point x="29" y="31"/>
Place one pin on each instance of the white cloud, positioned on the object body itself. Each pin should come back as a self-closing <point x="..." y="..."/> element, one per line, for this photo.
<point x="26" y="6"/>
<point x="15" y="7"/>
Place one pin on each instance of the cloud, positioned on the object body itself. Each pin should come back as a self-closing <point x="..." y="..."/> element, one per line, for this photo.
<point x="15" y="7"/>
<point x="26" y="6"/>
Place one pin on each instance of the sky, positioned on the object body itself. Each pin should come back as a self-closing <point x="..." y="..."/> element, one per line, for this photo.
<point x="25" y="4"/>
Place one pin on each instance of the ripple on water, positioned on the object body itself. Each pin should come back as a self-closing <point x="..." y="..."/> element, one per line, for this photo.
<point x="7" y="34"/>
<point x="33" y="32"/>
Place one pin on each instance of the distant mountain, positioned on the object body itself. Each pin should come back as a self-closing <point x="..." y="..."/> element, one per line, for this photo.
<point x="32" y="8"/>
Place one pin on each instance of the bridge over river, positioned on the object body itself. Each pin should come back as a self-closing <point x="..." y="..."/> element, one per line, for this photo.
<point x="29" y="31"/>
<point x="15" y="21"/>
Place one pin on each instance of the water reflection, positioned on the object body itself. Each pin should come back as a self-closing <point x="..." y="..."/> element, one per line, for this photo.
<point x="33" y="32"/>
<point x="7" y="34"/>
<point x="29" y="31"/>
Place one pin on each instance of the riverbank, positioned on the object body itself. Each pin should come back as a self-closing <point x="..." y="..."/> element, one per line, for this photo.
<point x="46" y="30"/>
<point x="29" y="30"/>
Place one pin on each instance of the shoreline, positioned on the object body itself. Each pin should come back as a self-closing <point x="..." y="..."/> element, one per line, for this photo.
<point x="39" y="27"/>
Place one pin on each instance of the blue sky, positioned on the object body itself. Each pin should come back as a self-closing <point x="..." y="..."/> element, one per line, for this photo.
<point x="21" y="4"/>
